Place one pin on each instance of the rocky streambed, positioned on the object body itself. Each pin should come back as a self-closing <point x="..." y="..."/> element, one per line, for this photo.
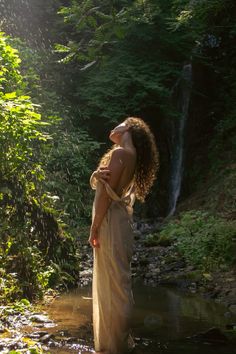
<point x="162" y="264"/>
<point x="13" y="318"/>
<point x="59" y="330"/>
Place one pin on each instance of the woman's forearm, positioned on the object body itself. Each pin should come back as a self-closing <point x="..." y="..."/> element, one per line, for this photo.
<point x="92" y="180"/>
<point x="101" y="207"/>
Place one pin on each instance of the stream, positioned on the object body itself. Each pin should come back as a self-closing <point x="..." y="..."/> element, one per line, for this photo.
<point x="166" y="321"/>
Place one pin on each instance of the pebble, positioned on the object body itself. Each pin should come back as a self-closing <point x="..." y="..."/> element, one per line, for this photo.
<point x="40" y="318"/>
<point x="46" y="338"/>
<point x="232" y="308"/>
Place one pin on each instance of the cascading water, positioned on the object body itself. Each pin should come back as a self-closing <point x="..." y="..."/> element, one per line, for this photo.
<point x="183" y="86"/>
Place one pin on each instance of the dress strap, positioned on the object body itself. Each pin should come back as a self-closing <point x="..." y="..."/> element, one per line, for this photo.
<point x="110" y="191"/>
<point x="128" y="198"/>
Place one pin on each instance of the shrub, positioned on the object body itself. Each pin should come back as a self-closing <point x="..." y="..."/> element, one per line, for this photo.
<point x="31" y="237"/>
<point x="204" y="239"/>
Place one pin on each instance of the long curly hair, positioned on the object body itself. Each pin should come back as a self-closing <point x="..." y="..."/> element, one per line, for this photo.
<point x="147" y="164"/>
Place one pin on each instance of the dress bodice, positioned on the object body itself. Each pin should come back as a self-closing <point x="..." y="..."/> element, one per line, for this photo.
<point x="127" y="198"/>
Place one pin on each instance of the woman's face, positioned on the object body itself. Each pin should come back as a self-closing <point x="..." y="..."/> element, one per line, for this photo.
<point x="117" y="132"/>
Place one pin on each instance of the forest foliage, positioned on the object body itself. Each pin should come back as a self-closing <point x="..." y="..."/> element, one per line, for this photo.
<point x="29" y="223"/>
<point x="84" y="66"/>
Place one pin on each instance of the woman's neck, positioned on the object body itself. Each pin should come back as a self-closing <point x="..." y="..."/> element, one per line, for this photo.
<point x="126" y="141"/>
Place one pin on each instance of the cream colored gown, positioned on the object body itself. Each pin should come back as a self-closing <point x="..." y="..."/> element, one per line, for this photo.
<point x="111" y="289"/>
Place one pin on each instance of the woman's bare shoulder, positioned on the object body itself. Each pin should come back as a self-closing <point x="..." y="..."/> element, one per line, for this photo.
<point x="121" y="152"/>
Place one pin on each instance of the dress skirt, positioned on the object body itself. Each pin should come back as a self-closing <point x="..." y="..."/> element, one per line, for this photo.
<point x="111" y="289"/>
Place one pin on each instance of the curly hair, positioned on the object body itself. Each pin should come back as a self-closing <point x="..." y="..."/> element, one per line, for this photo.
<point x="147" y="164"/>
<point x="147" y="156"/>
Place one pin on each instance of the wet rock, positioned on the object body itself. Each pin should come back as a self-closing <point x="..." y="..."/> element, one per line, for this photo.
<point x="37" y="335"/>
<point x="148" y="275"/>
<point x="86" y="273"/>
<point x="84" y="257"/>
<point x="213" y="335"/>
<point x="193" y="287"/>
<point x="230" y="279"/>
<point x="151" y="266"/>
<point x="137" y="235"/>
<point x="164" y="242"/>
<point x="231" y="296"/>
<point x="2" y="329"/>
<point x="12" y="344"/>
<point x="40" y="318"/>
<point x="86" y="247"/>
<point x="71" y="340"/>
<point x="232" y="308"/>
<point x="190" y="268"/>
<point x="52" y="343"/>
<point x="41" y="325"/>
<point x="227" y="314"/>
<point x="144" y="261"/>
<point x="231" y="326"/>
<point x="156" y="271"/>
<point x="153" y="320"/>
<point x="64" y="333"/>
<point x="143" y="227"/>
<point x="46" y="337"/>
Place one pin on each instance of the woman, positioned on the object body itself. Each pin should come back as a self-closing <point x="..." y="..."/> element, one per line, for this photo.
<point x="126" y="171"/>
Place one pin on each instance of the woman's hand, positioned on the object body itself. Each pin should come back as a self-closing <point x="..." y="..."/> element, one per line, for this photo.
<point x="103" y="173"/>
<point x="93" y="238"/>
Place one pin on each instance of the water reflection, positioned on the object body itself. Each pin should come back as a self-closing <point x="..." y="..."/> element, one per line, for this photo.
<point x="72" y="310"/>
<point x="174" y="315"/>
<point x="163" y="318"/>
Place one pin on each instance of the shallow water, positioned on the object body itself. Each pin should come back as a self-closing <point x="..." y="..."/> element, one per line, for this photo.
<point x="164" y="319"/>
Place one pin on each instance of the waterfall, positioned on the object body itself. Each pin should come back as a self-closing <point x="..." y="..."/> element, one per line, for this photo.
<point x="183" y="88"/>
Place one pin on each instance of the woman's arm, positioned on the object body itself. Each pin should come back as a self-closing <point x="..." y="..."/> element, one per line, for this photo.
<point x="116" y="166"/>
<point x="100" y="173"/>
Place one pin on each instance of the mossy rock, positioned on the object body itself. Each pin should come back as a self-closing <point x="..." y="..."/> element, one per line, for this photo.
<point x="143" y="261"/>
<point x="170" y="259"/>
<point x="194" y="275"/>
<point x="230" y="332"/>
<point x="164" y="241"/>
<point x="152" y="240"/>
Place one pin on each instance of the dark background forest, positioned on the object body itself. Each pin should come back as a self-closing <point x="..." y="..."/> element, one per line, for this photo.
<point x="72" y="69"/>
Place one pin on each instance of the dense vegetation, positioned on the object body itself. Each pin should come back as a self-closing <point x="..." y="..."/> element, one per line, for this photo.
<point x="34" y="251"/>
<point x="85" y="66"/>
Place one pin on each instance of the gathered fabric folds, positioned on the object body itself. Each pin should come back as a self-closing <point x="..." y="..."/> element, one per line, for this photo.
<point x="111" y="289"/>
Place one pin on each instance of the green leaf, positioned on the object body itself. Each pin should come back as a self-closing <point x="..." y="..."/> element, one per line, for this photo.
<point x="10" y="96"/>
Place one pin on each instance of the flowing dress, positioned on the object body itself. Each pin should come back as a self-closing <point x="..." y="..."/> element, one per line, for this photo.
<point x="111" y="289"/>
